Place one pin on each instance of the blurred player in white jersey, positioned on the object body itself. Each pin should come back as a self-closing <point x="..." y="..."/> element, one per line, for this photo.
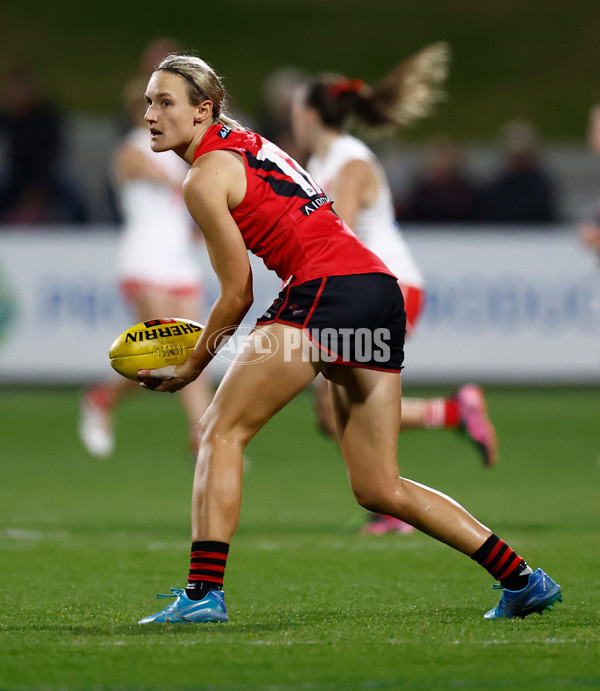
<point x="156" y="267"/>
<point x="350" y="174"/>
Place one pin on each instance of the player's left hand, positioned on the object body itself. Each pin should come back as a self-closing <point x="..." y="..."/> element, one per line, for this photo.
<point x="163" y="379"/>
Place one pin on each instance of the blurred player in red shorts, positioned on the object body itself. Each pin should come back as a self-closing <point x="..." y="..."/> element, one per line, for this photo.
<point x="157" y="271"/>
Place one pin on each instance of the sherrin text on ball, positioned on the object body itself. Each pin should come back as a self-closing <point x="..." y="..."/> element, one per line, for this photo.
<point x="154" y="344"/>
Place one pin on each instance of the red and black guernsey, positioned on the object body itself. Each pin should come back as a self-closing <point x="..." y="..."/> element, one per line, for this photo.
<point x="285" y="217"/>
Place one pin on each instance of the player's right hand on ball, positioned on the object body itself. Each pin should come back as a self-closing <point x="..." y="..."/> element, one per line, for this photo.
<point x="163" y="379"/>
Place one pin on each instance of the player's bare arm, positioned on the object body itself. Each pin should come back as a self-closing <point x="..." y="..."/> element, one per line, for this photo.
<point x="355" y="189"/>
<point x="215" y="184"/>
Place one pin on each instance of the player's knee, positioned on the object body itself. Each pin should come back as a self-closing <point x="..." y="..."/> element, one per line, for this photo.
<point x="324" y="414"/>
<point x="369" y="498"/>
<point x="326" y="427"/>
<point x="379" y="498"/>
<point x="213" y="430"/>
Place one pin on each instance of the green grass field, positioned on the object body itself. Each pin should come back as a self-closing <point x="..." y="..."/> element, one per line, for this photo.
<point x="85" y="545"/>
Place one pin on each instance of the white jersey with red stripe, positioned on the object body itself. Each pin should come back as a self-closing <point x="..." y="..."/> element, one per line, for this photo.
<point x="157" y="239"/>
<point x="375" y="225"/>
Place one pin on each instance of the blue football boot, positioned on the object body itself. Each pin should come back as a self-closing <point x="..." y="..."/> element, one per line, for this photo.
<point x="210" y="608"/>
<point x="540" y="593"/>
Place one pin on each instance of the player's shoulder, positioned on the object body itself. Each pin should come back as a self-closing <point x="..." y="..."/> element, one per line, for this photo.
<point x="214" y="162"/>
<point x="347" y="146"/>
<point x="214" y="175"/>
<point x="353" y="156"/>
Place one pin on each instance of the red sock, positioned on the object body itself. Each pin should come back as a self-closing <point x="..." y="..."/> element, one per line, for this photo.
<point x="441" y="412"/>
<point x="101" y="396"/>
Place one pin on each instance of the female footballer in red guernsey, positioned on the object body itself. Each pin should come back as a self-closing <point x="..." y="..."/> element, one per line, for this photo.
<point x="340" y="312"/>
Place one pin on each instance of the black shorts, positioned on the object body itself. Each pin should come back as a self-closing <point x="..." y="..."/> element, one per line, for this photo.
<point x="357" y="320"/>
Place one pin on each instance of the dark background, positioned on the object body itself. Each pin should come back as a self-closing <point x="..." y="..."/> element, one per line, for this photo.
<point x="537" y="59"/>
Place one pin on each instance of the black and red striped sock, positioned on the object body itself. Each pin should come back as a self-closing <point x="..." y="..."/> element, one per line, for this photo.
<point x="503" y="563"/>
<point x="207" y="568"/>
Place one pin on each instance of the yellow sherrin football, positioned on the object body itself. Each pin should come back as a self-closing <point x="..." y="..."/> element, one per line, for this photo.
<point x="153" y="344"/>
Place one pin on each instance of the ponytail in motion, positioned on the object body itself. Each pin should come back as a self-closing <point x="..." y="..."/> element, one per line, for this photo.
<point x="408" y="93"/>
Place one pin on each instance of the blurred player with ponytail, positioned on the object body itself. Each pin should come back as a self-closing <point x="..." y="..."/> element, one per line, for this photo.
<point x="351" y="175"/>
